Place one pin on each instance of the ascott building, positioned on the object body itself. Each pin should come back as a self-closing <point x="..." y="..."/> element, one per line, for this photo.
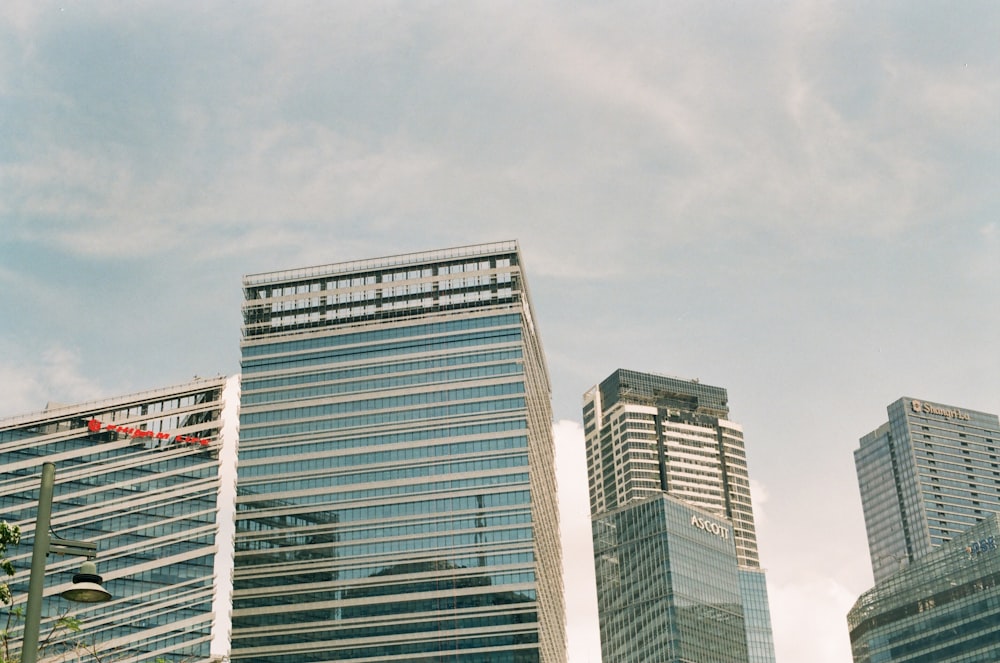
<point x="668" y="585"/>
<point x="396" y="495"/>
<point x="656" y="444"/>
<point x="138" y="477"/>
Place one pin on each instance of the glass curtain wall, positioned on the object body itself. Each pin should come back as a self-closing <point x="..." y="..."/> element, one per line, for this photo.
<point x="139" y="477"/>
<point x="396" y="496"/>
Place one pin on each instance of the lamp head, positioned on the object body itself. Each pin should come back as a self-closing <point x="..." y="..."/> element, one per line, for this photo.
<point x="87" y="586"/>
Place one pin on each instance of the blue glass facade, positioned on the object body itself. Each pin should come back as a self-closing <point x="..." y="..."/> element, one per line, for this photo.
<point x="756" y="615"/>
<point x="927" y="475"/>
<point x="942" y="608"/>
<point x="667" y="585"/>
<point x="139" y="477"/>
<point x="651" y="435"/>
<point x="396" y="492"/>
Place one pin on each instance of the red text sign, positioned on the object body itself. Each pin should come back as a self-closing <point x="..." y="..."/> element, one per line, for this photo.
<point x="137" y="433"/>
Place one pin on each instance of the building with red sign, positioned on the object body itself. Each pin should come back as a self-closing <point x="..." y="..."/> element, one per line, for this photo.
<point x="137" y="475"/>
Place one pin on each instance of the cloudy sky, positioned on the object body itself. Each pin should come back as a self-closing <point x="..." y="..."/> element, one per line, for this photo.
<point x="797" y="201"/>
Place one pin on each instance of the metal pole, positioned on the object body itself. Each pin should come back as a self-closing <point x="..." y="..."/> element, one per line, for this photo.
<point x="39" y="550"/>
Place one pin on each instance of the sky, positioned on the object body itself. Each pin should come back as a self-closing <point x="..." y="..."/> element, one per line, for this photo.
<point x="797" y="201"/>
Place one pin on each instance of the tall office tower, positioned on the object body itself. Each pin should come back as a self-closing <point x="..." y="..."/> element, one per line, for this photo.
<point x="668" y="584"/>
<point x="929" y="473"/>
<point x="139" y="477"/>
<point x="647" y="435"/>
<point x="396" y="494"/>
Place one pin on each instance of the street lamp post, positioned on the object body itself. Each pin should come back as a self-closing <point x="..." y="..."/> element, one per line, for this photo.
<point x="42" y="546"/>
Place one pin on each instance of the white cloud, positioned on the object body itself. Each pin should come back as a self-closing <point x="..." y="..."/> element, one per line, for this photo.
<point x="984" y="263"/>
<point x="21" y="15"/>
<point x="759" y="495"/>
<point x="677" y="125"/>
<point x="56" y="375"/>
<point x="578" y="549"/>
<point x="810" y="620"/>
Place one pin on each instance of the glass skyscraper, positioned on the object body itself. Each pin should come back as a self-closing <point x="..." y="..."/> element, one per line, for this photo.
<point x="942" y="608"/>
<point x="927" y="475"/>
<point x="396" y="494"/>
<point x="139" y="477"/>
<point x="667" y="584"/>
<point x="649" y="435"/>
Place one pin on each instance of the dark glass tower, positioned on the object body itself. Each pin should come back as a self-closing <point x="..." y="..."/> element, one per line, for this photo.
<point x="927" y="475"/>
<point x="650" y="435"/>
<point x="668" y="586"/>
<point x="942" y="608"/>
<point x="139" y="477"/>
<point x="396" y="495"/>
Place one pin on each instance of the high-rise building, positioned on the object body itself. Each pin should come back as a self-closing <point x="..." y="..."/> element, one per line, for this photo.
<point x="943" y="608"/>
<point x="928" y="474"/>
<point x="648" y="435"/>
<point x="668" y="584"/>
<point x="138" y="476"/>
<point x="396" y="493"/>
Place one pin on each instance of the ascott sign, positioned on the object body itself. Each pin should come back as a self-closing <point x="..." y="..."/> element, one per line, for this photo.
<point x="920" y="407"/>
<point x="96" y="426"/>
<point x="720" y="531"/>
